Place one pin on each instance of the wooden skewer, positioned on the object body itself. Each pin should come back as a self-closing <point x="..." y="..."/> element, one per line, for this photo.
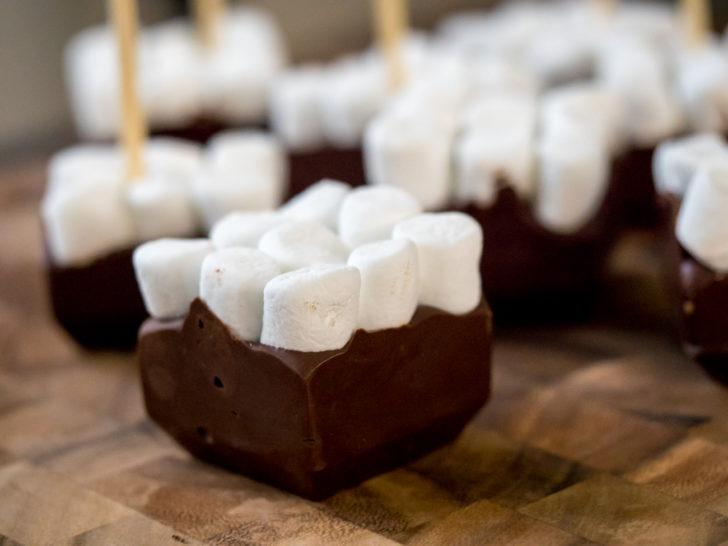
<point x="209" y="13"/>
<point x="697" y="20"/>
<point x="125" y="18"/>
<point x="390" y="18"/>
<point x="607" y="8"/>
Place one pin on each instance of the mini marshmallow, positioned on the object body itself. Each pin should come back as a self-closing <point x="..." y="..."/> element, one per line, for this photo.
<point x="368" y="214"/>
<point x="500" y="111"/>
<point x="237" y="154"/>
<point x="702" y="223"/>
<point x="168" y="273"/>
<point x="499" y="74"/>
<point x="245" y="228"/>
<point x="83" y="162"/>
<point x="231" y="284"/>
<point x="353" y="92"/>
<point x="485" y="158"/>
<point x="313" y="309"/>
<point x="675" y="163"/>
<point x="303" y="243"/>
<point x="389" y="283"/>
<point x="86" y="220"/>
<point x="320" y="202"/>
<point x="573" y="181"/>
<point x="160" y="208"/>
<point x="449" y="246"/>
<point x="702" y="78"/>
<point x="411" y="153"/>
<point x="294" y="108"/>
<point x="218" y="195"/>
<point x="175" y="159"/>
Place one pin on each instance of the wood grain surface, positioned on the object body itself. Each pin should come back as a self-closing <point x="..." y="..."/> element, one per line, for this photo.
<point x="597" y="432"/>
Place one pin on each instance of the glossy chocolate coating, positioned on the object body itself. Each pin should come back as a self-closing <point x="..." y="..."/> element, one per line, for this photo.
<point x="701" y="297"/>
<point x="99" y="304"/>
<point x="307" y="168"/>
<point x="314" y="423"/>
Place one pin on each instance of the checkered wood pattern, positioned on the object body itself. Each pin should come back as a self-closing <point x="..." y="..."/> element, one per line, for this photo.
<point x="599" y="432"/>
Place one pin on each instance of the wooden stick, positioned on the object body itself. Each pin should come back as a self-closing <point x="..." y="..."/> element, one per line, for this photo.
<point x="390" y="18"/>
<point x="125" y="19"/>
<point x="606" y="8"/>
<point x="697" y="21"/>
<point x="209" y="13"/>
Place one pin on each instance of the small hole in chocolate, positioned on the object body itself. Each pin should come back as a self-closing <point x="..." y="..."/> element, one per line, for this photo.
<point x="235" y="413"/>
<point x="200" y="324"/>
<point x="201" y="432"/>
<point x="217" y="382"/>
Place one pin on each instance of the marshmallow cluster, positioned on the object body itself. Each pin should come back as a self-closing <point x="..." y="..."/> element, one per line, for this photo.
<point x="676" y="162"/>
<point x="179" y="79"/>
<point x="90" y="208"/>
<point x="286" y="279"/>
<point x="554" y="152"/>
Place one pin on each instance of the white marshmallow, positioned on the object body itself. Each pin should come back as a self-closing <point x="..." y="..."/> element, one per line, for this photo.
<point x="216" y="196"/>
<point x="175" y="159"/>
<point x="86" y="220"/>
<point x="313" y="309"/>
<point x="368" y="214"/>
<point x="389" y="283"/>
<point x="168" y="273"/>
<point x="573" y="181"/>
<point x="352" y="93"/>
<point x="238" y="73"/>
<point x="499" y="74"/>
<point x="231" y="284"/>
<point x="449" y="246"/>
<point x="703" y="85"/>
<point x="237" y="154"/>
<point x="294" y="108"/>
<point x="83" y="162"/>
<point x="483" y="158"/>
<point x="702" y="224"/>
<point x="320" y="202"/>
<point x="303" y="243"/>
<point x="410" y="153"/>
<point x="245" y="228"/>
<point x="675" y="162"/>
<point x="500" y="111"/>
<point x="160" y="208"/>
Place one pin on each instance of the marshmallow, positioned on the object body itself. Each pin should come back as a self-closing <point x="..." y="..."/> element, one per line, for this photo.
<point x="86" y="220"/>
<point x="485" y="158"/>
<point x="85" y="162"/>
<point x="586" y="107"/>
<point x="235" y="86"/>
<point x="368" y="214"/>
<point x="217" y="196"/>
<point x="160" y="208"/>
<point x="294" y="108"/>
<point x="411" y="153"/>
<point x="168" y="273"/>
<point x="245" y="228"/>
<point x="573" y="181"/>
<point x="313" y="309"/>
<point x="303" y="243"/>
<point x="702" y="223"/>
<point x="231" y="284"/>
<point x="675" y="163"/>
<point x="389" y="283"/>
<point x="352" y="93"/>
<point x="499" y="74"/>
<point x="449" y="246"/>
<point x="703" y="86"/>
<point x="320" y="202"/>
<point x="173" y="158"/>
<point x="500" y="111"/>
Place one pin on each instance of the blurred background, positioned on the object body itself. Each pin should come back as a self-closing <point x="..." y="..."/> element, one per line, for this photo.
<point x="34" y="111"/>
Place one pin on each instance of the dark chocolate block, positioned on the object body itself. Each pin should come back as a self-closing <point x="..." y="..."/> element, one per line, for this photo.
<point x="314" y="423"/>
<point x="701" y="297"/>
<point x="98" y="304"/>
<point x="632" y="174"/>
<point x="307" y="168"/>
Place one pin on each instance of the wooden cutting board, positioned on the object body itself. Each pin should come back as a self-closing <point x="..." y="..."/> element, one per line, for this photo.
<point x="599" y="431"/>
